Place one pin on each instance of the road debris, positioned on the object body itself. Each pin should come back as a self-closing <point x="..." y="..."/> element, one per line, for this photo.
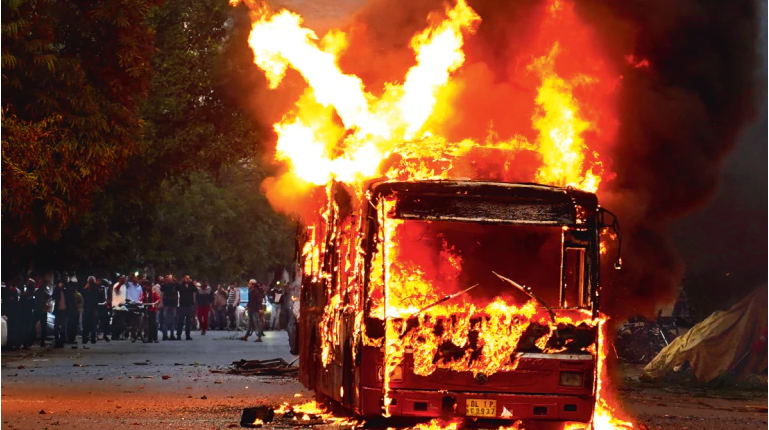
<point x="272" y="367"/>
<point x="255" y="417"/>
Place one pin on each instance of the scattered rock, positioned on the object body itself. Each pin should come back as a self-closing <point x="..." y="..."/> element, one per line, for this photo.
<point x="218" y="382"/>
<point x="166" y="377"/>
<point x="21" y="367"/>
<point x="42" y="412"/>
<point x="204" y="398"/>
<point x="100" y="379"/>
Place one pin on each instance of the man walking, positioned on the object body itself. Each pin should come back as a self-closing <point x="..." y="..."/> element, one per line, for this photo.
<point x="170" y="303"/>
<point x="255" y="310"/>
<point x="185" y="313"/>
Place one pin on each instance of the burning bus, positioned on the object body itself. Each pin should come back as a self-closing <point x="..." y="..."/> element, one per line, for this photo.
<point x="454" y="298"/>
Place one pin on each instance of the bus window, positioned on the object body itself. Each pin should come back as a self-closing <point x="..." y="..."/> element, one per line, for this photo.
<point x="573" y="277"/>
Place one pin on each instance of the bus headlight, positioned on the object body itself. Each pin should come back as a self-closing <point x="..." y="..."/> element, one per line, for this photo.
<point x="571" y="379"/>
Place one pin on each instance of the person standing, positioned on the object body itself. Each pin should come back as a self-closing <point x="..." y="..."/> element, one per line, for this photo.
<point x="204" y="299"/>
<point x="133" y="293"/>
<point x="233" y="299"/>
<point x="170" y="303"/>
<point x="104" y="287"/>
<point x="63" y="302"/>
<point x="119" y="312"/>
<point x="159" y="307"/>
<point x="75" y="313"/>
<point x="186" y="311"/>
<point x="92" y="296"/>
<point x="255" y="310"/>
<point x="41" y="299"/>
<point x="12" y="310"/>
<point x="133" y="290"/>
<point x="276" y="300"/>
<point x="149" y="296"/>
<point x="220" y="307"/>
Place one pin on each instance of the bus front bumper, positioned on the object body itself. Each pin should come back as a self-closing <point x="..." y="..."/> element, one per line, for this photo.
<point x="484" y="405"/>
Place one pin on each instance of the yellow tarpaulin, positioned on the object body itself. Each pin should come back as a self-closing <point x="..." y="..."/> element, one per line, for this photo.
<point x="725" y="341"/>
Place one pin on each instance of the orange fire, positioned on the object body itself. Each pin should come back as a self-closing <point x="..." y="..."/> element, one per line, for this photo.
<point x="342" y="131"/>
<point x="339" y="130"/>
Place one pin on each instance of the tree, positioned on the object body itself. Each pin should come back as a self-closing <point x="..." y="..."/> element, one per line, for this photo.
<point x="73" y="75"/>
<point x="222" y="228"/>
<point x="195" y="129"/>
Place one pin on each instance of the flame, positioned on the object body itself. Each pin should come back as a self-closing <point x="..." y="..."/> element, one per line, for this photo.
<point x="438" y="424"/>
<point x="341" y="131"/>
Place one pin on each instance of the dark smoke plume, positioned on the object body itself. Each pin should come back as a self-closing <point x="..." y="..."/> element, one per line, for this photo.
<point x="679" y="116"/>
<point x="679" y="119"/>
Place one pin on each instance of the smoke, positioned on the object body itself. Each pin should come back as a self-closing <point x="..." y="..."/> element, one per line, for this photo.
<point x="680" y="110"/>
<point x="679" y="119"/>
<point x="666" y="87"/>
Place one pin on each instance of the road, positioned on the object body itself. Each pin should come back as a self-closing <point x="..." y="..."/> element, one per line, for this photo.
<point x="103" y="387"/>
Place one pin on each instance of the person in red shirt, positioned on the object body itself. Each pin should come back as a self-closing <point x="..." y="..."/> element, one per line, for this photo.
<point x="150" y="297"/>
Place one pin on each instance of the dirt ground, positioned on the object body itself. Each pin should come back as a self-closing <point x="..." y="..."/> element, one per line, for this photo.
<point x="121" y="384"/>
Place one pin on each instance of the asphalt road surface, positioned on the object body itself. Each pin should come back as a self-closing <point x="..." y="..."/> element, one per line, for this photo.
<point x="103" y="387"/>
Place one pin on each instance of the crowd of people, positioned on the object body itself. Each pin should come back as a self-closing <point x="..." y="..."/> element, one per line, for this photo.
<point x="132" y="308"/>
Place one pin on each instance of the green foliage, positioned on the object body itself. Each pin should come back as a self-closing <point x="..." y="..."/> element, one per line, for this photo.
<point x="73" y="73"/>
<point x="221" y="228"/>
<point x="192" y="122"/>
<point x="187" y="199"/>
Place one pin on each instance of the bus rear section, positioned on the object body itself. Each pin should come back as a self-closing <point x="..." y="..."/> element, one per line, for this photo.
<point x="460" y="298"/>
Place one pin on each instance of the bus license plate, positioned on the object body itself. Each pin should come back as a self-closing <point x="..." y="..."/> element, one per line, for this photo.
<point x="481" y="408"/>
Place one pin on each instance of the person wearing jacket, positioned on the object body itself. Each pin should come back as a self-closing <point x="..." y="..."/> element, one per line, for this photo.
<point x="75" y="314"/>
<point x="40" y="299"/>
<point x="220" y="308"/>
<point x="255" y="310"/>
<point x="204" y="298"/>
<point x="92" y="296"/>
<point x="105" y="312"/>
<point x="184" y="314"/>
<point x="63" y="303"/>
<point x="170" y="292"/>
<point x="150" y="296"/>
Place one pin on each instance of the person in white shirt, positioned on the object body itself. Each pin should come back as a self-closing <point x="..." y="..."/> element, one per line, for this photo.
<point x="119" y="312"/>
<point x="133" y="290"/>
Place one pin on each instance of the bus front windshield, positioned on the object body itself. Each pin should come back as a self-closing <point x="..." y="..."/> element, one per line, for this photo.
<point x="450" y="266"/>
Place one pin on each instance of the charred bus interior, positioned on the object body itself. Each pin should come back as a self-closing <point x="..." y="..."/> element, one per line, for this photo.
<point x="463" y="298"/>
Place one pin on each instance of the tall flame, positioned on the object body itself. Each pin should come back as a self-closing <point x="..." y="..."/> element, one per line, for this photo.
<point x="340" y="131"/>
